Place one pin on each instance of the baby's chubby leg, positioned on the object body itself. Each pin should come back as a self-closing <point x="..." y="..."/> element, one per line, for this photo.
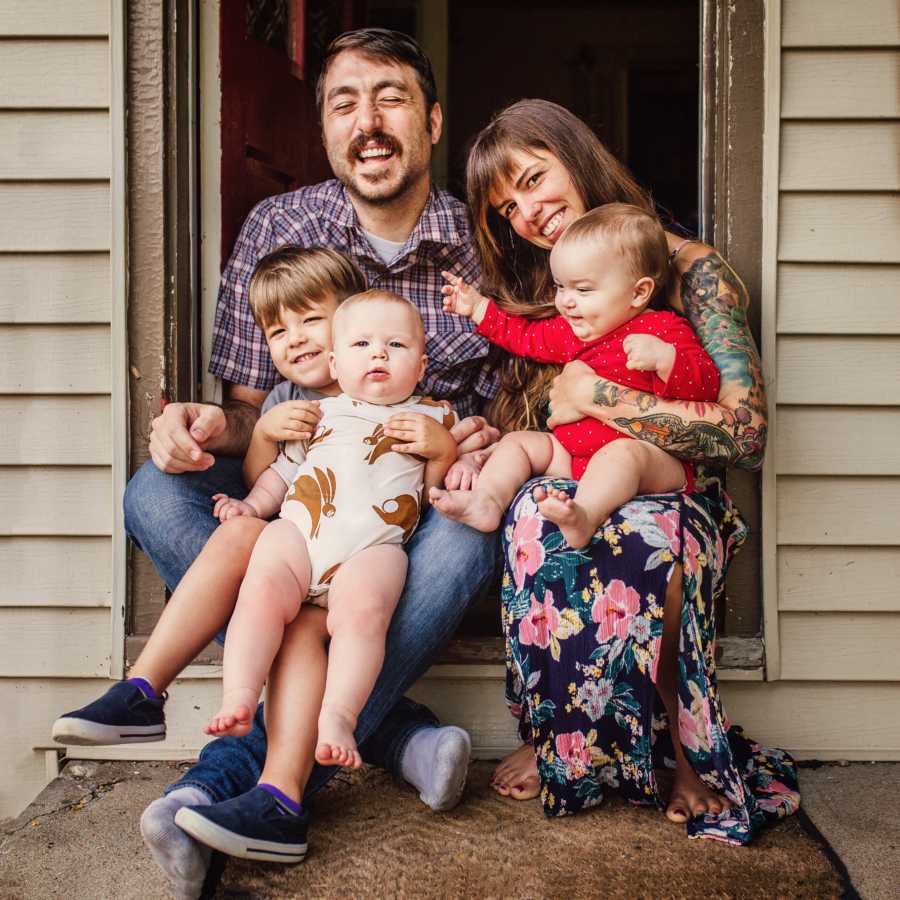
<point x="615" y="474"/>
<point x="361" y="601"/>
<point x="276" y="583"/>
<point x="519" y="456"/>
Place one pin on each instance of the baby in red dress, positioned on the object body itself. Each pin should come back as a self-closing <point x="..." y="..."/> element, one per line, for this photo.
<point x="607" y="266"/>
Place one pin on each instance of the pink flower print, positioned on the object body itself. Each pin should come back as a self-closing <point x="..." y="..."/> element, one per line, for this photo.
<point x="525" y="549"/>
<point x="691" y="552"/>
<point x="572" y="749"/>
<point x="540" y="622"/>
<point x="693" y="724"/>
<point x="614" y="609"/>
<point x="669" y="524"/>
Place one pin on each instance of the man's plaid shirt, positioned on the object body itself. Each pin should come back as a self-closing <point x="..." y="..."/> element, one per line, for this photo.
<point x="322" y="215"/>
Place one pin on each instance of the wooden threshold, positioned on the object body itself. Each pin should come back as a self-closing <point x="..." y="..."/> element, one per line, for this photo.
<point x="738" y="658"/>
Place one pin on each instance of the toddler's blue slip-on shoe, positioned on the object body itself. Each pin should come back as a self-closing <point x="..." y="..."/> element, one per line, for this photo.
<point x="252" y="826"/>
<point x="123" y="715"/>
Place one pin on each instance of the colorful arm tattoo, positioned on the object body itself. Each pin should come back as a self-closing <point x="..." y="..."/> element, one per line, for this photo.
<point x="732" y="431"/>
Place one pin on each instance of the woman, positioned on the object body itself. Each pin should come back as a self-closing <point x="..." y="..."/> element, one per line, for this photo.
<point x="596" y="637"/>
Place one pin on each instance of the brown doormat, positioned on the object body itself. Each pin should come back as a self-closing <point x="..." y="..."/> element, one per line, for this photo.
<point x="373" y="838"/>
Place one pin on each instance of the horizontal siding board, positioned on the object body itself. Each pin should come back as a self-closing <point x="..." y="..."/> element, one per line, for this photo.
<point x="838" y="511"/>
<point x="54" y="643"/>
<point x="825" y="84"/>
<point x="50" y="359"/>
<point x="49" y="216"/>
<point x="839" y="646"/>
<point x="37" y="500"/>
<point x="55" y="74"/>
<point x="55" y="571"/>
<point x="37" y="145"/>
<point x="839" y="579"/>
<point x="838" y="441"/>
<point x="824" y="720"/>
<point x="55" y="430"/>
<point x="840" y="156"/>
<point x="50" y="18"/>
<point x="831" y="370"/>
<point x="55" y="287"/>
<point x="816" y="298"/>
<point x="839" y="228"/>
<point x="837" y="23"/>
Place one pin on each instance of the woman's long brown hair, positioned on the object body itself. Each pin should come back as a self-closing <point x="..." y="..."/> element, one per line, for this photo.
<point x="513" y="271"/>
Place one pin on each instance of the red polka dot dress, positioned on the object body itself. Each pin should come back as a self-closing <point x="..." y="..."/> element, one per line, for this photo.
<point x="694" y="375"/>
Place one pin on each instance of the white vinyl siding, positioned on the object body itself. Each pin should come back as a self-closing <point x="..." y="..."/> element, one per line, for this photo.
<point x="833" y="484"/>
<point x="58" y="339"/>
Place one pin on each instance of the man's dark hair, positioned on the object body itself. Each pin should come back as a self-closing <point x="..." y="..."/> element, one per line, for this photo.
<point x="383" y="44"/>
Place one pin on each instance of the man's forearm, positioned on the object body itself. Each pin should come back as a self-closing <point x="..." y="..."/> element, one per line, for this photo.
<point x="240" y="418"/>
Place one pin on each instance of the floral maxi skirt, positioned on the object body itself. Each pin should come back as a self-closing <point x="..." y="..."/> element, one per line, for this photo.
<point x="583" y="631"/>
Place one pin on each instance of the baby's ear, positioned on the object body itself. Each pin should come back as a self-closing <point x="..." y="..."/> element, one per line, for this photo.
<point x="643" y="291"/>
<point x="423" y="366"/>
<point x="331" y="366"/>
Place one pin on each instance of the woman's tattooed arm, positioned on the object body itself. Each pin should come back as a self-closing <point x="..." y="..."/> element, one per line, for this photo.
<point x="729" y="432"/>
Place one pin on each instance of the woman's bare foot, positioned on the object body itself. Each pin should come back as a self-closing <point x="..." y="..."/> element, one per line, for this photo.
<point x="691" y="797"/>
<point x="336" y="745"/>
<point x="558" y="507"/>
<point x="517" y="775"/>
<point x="473" y="508"/>
<point x="235" y="716"/>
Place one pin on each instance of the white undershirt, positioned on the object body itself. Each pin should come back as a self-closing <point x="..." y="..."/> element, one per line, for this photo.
<point x="386" y="250"/>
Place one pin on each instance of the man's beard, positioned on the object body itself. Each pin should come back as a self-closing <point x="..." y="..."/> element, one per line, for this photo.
<point x="372" y="188"/>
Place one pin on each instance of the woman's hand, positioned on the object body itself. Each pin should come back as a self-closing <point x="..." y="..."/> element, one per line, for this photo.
<point x="293" y="420"/>
<point x="572" y="394"/>
<point x="421" y="436"/>
<point x="227" y="508"/>
<point x="461" y="298"/>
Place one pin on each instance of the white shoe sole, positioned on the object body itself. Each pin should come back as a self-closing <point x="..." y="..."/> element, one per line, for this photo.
<point x="226" y="841"/>
<point x="82" y="732"/>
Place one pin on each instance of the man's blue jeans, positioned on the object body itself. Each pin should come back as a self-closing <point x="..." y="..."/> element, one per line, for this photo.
<point x="170" y="518"/>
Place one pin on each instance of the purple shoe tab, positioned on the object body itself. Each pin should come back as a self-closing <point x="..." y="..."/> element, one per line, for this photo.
<point x="145" y="687"/>
<point x="291" y="806"/>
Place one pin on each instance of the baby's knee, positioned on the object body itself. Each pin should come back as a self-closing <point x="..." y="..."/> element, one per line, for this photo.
<point x="368" y="617"/>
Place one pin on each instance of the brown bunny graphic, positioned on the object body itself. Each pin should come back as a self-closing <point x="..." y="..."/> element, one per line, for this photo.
<point x="405" y="513"/>
<point x="379" y="444"/>
<point x="317" y="495"/>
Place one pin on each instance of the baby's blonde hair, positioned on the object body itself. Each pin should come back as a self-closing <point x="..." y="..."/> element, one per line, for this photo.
<point x="376" y="295"/>
<point x="294" y="278"/>
<point x="636" y="234"/>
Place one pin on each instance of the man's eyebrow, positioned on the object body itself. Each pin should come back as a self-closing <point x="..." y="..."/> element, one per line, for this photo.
<point x="396" y="83"/>
<point x="339" y="90"/>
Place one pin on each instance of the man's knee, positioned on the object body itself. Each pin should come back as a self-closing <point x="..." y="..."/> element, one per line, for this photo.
<point x="141" y="501"/>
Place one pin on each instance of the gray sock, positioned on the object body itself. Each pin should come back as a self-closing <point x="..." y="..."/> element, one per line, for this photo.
<point x="183" y="859"/>
<point x="436" y="761"/>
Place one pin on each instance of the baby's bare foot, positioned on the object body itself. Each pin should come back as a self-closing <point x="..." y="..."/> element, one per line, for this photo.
<point x="517" y="775"/>
<point x="235" y="716"/>
<point x="691" y="797"/>
<point x="558" y="507"/>
<point x="473" y="508"/>
<point x="336" y="745"/>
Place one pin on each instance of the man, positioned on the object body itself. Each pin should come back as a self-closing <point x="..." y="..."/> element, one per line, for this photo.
<point x="380" y="119"/>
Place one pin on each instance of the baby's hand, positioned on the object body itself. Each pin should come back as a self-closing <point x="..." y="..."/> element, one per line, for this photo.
<point x="227" y="508"/>
<point x="463" y="474"/>
<point x="420" y="435"/>
<point x="461" y="298"/>
<point x="648" y="353"/>
<point x="293" y="420"/>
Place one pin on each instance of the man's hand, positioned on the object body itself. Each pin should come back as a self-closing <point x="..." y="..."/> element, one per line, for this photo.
<point x="648" y="353"/>
<point x="461" y="298"/>
<point x="421" y="436"/>
<point x="474" y="433"/>
<point x="571" y="394"/>
<point x="293" y="420"/>
<point x="179" y="434"/>
<point x="227" y="508"/>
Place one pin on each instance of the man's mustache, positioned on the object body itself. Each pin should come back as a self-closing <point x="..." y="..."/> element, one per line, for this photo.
<point x="358" y="144"/>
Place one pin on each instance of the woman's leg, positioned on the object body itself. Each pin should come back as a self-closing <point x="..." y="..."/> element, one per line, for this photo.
<point x="361" y="601"/>
<point x="276" y="583"/>
<point x="202" y="602"/>
<point x="615" y="474"/>
<point x="518" y="457"/>
<point x="293" y="700"/>
<point x="690" y="796"/>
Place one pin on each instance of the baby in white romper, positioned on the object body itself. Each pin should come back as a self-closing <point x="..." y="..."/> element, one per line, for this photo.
<point x="349" y="497"/>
